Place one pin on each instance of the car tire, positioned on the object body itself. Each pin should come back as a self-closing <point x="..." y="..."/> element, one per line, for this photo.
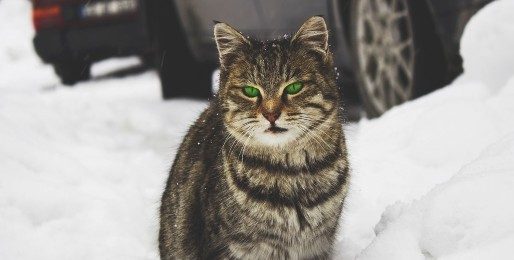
<point x="396" y="53"/>
<point x="70" y="72"/>
<point x="180" y="74"/>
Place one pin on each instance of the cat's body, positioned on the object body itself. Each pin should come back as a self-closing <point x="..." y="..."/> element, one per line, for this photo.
<point x="230" y="197"/>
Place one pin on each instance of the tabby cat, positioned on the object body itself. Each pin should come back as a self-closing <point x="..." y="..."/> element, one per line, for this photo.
<point x="263" y="173"/>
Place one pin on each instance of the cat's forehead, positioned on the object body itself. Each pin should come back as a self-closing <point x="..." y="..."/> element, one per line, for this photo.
<point x="269" y="51"/>
<point x="271" y="45"/>
<point x="271" y="62"/>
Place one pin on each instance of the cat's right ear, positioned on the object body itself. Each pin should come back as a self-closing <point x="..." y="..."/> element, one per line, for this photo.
<point x="313" y="35"/>
<point x="230" y="43"/>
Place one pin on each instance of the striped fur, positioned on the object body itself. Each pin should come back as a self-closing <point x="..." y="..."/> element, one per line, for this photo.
<point x="236" y="191"/>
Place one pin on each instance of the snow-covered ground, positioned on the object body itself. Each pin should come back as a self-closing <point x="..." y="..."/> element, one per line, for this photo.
<point x="82" y="169"/>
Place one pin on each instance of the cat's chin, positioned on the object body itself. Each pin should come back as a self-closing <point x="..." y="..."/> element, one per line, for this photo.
<point x="268" y="137"/>
<point x="276" y="137"/>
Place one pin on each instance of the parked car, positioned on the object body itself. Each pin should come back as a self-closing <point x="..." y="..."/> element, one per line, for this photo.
<point x="72" y="34"/>
<point x="389" y="50"/>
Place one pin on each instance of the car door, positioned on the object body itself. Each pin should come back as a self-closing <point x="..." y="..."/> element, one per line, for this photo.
<point x="197" y="18"/>
<point x="284" y="17"/>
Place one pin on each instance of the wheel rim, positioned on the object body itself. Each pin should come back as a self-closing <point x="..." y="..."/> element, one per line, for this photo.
<point x="385" y="52"/>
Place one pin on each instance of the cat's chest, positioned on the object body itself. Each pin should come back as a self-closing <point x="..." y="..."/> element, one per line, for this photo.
<point x="285" y="235"/>
<point x="283" y="199"/>
<point x="296" y="210"/>
<point x="294" y="204"/>
<point x="298" y="221"/>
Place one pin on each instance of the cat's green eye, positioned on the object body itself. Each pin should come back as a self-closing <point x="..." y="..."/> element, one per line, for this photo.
<point x="250" y="91"/>
<point x="293" y="88"/>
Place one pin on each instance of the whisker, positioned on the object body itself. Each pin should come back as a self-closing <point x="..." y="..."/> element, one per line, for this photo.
<point x="245" y="144"/>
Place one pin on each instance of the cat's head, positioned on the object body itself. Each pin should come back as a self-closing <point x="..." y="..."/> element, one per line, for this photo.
<point x="276" y="93"/>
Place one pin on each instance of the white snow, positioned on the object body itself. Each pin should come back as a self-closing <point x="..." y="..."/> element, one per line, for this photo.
<point x="82" y="169"/>
<point x="434" y="178"/>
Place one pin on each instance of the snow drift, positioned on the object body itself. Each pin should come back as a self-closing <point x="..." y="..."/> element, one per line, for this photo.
<point x="437" y="174"/>
<point x="82" y="169"/>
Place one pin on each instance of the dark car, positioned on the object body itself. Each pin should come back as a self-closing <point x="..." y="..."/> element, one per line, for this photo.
<point x="72" y="34"/>
<point x="388" y="50"/>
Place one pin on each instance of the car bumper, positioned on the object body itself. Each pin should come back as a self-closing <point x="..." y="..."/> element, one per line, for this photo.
<point x="92" y="42"/>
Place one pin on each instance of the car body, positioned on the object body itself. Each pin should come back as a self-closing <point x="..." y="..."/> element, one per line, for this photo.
<point x="270" y="19"/>
<point x="179" y="34"/>
<point x="71" y="34"/>
<point x="442" y="20"/>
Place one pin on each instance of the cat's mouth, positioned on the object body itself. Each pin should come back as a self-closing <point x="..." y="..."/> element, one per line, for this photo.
<point x="275" y="129"/>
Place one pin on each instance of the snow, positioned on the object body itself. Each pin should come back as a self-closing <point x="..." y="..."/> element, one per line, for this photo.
<point x="82" y="169"/>
<point x="433" y="178"/>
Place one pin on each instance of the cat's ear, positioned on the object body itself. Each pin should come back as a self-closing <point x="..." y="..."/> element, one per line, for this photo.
<point x="229" y="41"/>
<point x="313" y="34"/>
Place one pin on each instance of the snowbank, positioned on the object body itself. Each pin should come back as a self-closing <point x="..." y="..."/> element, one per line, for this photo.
<point x="468" y="215"/>
<point x="82" y="169"/>
<point x="487" y="45"/>
<point x="437" y="174"/>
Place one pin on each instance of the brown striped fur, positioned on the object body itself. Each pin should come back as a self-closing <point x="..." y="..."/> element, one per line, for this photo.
<point x="239" y="191"/>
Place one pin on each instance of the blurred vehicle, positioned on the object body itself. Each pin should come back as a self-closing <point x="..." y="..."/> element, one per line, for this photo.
<point x="389" y="51"/>
<point x="72" y="34"/>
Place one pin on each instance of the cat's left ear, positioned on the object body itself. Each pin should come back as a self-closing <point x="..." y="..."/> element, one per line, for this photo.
<point x="313" y="34"/>
<point x="230" y="43"/>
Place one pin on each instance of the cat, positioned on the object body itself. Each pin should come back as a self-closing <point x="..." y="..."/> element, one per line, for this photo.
<point x="263" y="172"/>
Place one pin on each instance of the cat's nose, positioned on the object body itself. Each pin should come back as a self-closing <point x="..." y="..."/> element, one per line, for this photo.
<point x="271" y="116"/>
